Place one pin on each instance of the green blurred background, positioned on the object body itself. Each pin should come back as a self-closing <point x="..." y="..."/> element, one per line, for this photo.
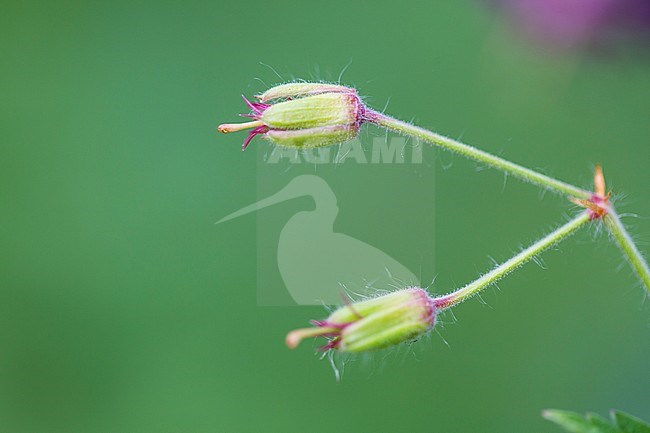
<point x="123" y="308"/>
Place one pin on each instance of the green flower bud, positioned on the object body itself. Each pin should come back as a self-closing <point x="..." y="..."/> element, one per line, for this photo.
<point x="308" y="115"/>
<point x="375" y="323"/>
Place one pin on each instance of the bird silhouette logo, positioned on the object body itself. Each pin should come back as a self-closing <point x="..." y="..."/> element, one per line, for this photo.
<point x="318" y="265"/>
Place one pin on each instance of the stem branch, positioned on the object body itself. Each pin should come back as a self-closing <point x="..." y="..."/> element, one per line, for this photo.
<point x="480" y="156"/>
<point x="625" y="243"/>
<point x="451" y="299"/>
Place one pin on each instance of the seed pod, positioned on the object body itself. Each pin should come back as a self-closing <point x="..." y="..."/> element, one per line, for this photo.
<point x="375" y="323"/>
<point x="307" y="115"/>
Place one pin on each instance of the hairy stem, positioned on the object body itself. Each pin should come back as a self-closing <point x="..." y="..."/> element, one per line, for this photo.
<point x="451" y="299"/>
<point x="470" y="152"/>
<point x="625" y="243"/>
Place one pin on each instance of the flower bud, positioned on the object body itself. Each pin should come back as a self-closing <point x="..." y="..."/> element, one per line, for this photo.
<point x="305" y="115"/>
<point x="375" y="323"/>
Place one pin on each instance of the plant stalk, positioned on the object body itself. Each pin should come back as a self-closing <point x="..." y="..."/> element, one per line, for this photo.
<point x="626" y="244"/>
<point x="471" y="289"/>
<point x="477" y="155"/>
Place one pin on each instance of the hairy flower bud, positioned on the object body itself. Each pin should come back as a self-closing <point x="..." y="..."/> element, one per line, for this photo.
<point x="303" y="115"/>
<point x="374" y="323"/>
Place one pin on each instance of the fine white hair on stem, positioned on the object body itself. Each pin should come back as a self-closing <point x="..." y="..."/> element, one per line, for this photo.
<point x="330" y="356"/>
<point x="629" y="249"/>
<point x="273" y="70"/>
<point x="480" y="156"/>
<point x="499" y="272"/>
<point x="345" y="68"/>
<point x="261" y="81"/>
<point x="444" y="340"/>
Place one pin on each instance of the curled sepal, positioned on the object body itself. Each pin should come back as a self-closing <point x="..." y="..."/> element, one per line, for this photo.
<point x="313" y="111"/>
<point x="312" y="137"/>
<point x="297" y="90"/>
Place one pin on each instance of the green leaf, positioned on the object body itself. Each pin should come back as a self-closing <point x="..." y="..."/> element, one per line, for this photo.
<point x="629" y="424"/>
<point x="594" y="423"/>
<point x="570" y="421"/>
<point x="601" y="424"/>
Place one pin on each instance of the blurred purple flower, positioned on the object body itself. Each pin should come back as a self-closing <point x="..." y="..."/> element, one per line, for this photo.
<point x="576" y="24"/>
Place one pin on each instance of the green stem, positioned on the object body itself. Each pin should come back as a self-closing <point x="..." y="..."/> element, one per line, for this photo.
<point x="451" y="299"/>
<point x="625" y="243"/>
<point x="480" y="156"/>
